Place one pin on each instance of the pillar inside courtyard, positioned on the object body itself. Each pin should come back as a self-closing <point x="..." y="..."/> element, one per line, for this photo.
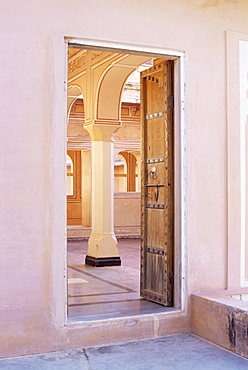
<point x="102" y="245"/>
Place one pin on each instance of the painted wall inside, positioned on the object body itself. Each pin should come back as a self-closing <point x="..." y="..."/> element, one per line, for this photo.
<point x="33" y="69"/>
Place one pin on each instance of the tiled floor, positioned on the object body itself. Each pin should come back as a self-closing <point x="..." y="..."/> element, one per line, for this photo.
<point x="105" y="292"/>
<point x="182" y="352"/>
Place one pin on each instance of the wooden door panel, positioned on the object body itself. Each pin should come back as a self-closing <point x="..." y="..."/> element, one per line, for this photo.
<point x="155" y="218"/>
<point x="155" y="133"/>
<point x="155" y="273"/>
<point x="157" y="184"/>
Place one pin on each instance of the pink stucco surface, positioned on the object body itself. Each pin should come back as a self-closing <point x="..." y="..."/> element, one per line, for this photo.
<point x="33" y="131"/>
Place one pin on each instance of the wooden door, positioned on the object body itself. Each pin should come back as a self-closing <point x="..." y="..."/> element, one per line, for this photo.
<point x="157" y="184"/>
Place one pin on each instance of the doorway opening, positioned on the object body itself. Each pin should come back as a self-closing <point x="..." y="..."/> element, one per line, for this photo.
<point x="104" y="88"/>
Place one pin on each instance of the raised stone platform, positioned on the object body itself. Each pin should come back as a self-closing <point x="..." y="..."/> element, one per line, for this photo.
<point x="222" y="319"/>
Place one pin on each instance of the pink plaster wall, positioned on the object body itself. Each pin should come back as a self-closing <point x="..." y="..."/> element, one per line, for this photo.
<point x="33" y="109"/>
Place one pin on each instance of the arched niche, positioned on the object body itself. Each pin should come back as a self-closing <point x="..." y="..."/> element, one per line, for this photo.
<point x="77" y="135"/>
<point x="120" y="173"/>
<point x="74" y="92"/>
<point x="70" y="174"/>
<point x="126" y="172"/>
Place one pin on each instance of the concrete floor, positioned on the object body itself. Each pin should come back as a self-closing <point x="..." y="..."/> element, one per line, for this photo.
<point x="182" y="352"/>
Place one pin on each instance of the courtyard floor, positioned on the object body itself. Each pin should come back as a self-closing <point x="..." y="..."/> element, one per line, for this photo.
<point x="106" y="292"/>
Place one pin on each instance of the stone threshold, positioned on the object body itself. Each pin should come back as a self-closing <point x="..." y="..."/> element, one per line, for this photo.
<point x="128" y="328"/>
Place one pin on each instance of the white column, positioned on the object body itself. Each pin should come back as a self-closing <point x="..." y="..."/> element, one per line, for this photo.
<point x="102" y="245"/>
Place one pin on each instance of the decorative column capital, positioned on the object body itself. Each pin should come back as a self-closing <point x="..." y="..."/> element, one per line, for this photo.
<point x="102" y="132"/>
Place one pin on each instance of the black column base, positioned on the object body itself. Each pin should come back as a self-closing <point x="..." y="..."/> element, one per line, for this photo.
<point x="100" y="262"/>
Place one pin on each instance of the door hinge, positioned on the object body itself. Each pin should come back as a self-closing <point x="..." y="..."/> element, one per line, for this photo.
<point x="171" y="278"/>
<point x="171" y="101"/>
